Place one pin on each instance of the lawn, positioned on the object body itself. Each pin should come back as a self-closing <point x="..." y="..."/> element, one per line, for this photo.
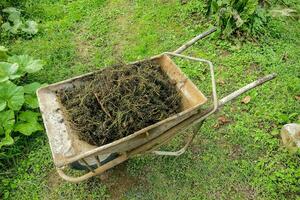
<point x="241" y="158"/>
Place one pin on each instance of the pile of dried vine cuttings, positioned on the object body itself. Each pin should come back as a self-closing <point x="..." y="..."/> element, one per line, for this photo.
<point x="119" y="100"/>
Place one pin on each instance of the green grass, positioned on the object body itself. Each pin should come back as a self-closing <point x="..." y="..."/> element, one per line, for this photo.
<point x="243" y="159"/>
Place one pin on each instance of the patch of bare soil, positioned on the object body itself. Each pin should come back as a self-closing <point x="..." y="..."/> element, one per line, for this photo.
<point x="225" y="53"/>
<point x="123" y="25"/>
<point x="118" y="181"/>
<point x="83" y="47"/>
<point x="254" y="68"/>
<point x="247" y="191"/>
<point x="235" y="152"/>
<point x="54" y="180"/>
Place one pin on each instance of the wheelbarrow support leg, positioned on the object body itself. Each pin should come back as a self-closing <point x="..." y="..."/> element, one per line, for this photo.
<point x="183" y="149"/>
<point x="97" y="171"/>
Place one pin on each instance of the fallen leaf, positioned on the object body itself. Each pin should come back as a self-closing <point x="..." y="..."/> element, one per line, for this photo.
<point x="216" y="125"/>
<point x="275" y="132"/>
<point x="225" y="53"/>
<point x="246" y="99"/>
<point x="221" y="68"/>
<point x="297" y="97"/>
<point x="223" y="120"/>
<point x="220" y="81"/>
<point x="195" y="149"/>
<point x="104" y="176"/>
<point x="183" y="2"/>
<point x="285" y="57"/>
<point x="233" y="109"/>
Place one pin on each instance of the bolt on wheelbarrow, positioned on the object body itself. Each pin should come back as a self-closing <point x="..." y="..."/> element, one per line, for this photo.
<point x="69" y="151"/>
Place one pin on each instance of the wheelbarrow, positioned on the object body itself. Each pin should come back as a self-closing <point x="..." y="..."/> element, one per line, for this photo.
<point x="69" y="151"/>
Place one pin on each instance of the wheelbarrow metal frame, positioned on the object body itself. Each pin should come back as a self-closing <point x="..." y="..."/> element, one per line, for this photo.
<point x="147" y="139"/>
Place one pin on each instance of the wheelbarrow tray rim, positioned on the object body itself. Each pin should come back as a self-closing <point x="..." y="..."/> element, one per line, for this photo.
<point x="62" y="160"/>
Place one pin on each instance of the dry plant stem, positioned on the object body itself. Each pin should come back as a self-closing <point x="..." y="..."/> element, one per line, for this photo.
<point x="102" y="105"/>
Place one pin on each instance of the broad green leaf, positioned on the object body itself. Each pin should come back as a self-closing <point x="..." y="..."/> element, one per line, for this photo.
<point x="238" y="21"/>
<point x="29" y="116"/>
<point x="16" y="26"/>
<point x="27" y="128"/>
<point x="11" y="10"/>
<point x="7" y="71"/>
<point x="283" y="118"/>
<point x="7" y="121"/>
<point x="2" y="105"/>
<point x="249" y="9"/>
<point x="13" y="14"/>
<point x="30" y="95"/>
<point x="6" y="26"/>
<point x="26" y="63"/>
<point x="3" y="49"/>
<point x="14" y="76"/>
<point x="15" y="23"/>
<point x="30" y="27"/>
<point x="28" y="123"/>
<point x="3" y="53"/>
<point x="34" y="66"/>
<point x="6" y="141"/>
<point x="228" y="28"/>
<point x="214" y="6"/>
<point x="31" y="88"/>
<point x="12" y="28"/>
<point x="13" y="95"/>
<point x="14" y="17"/>
<point x="3" y="79"/>
<point x="31" y="100"/>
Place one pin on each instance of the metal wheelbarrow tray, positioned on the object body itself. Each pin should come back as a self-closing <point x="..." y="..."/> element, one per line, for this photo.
<point x="68" y="150"/>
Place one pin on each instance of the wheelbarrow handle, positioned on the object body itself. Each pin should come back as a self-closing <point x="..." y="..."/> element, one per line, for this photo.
<point x="194" y="40"/>
<point x="201" y="116"/>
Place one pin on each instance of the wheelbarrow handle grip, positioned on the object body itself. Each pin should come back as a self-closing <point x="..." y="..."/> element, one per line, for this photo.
<point x="194" y="40"/>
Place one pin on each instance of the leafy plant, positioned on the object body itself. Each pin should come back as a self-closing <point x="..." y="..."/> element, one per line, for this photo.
<point x="28" y="123"/>
<point x="18" y="104"/>
<point x="238" y="16"/>
<point x="3" y="53"/>
<point x="16" y="24"/>
<point x="11" y="96"/>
